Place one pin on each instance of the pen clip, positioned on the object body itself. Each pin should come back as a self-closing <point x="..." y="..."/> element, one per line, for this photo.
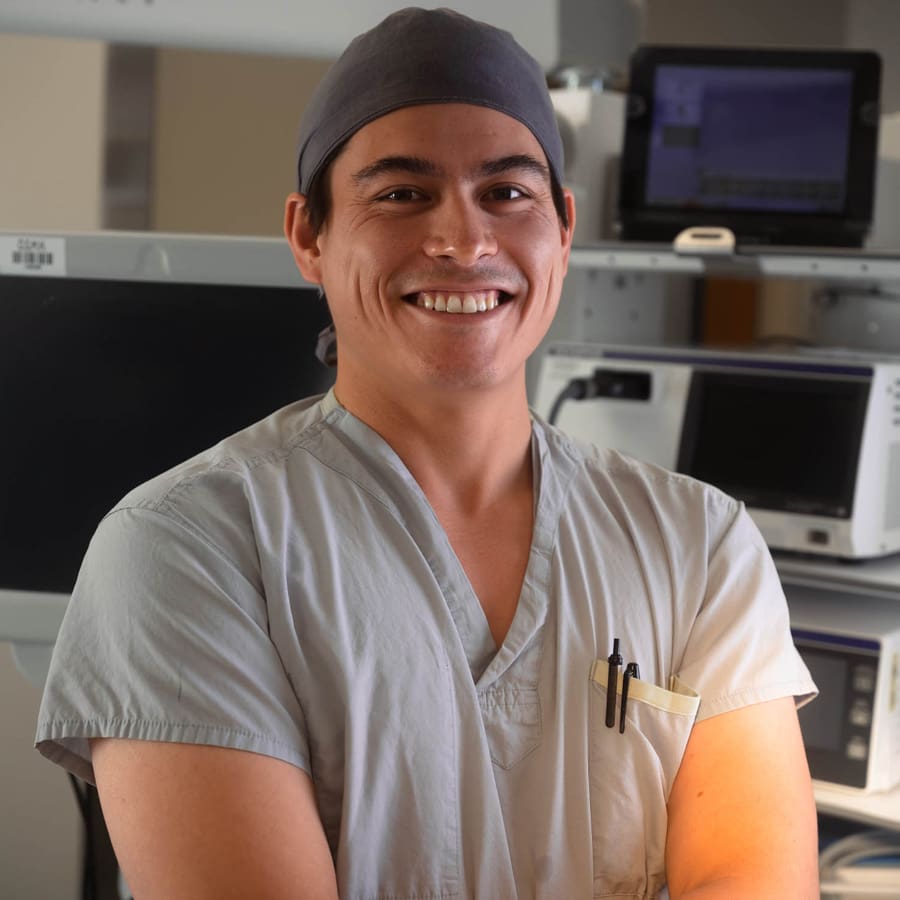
<point x="631" y="671"/>
<point x="612" y="679"/>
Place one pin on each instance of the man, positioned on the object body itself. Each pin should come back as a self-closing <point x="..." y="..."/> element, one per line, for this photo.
<point x="361" y="648"/>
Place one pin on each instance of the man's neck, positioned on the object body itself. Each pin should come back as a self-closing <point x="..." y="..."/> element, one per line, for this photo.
<point x="466" y="449"/>
<point x="470" y="452"/>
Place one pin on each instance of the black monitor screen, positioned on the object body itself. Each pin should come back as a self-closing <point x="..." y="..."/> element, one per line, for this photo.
<point x="823" y="723"/>
<point x="752" y="139"/>
<point x="104" y="384"/>
<point x="778" y="442"/>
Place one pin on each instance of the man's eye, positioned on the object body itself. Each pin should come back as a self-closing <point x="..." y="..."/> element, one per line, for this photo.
<point x="402" y="195"/>
<point x="506" y="192"/>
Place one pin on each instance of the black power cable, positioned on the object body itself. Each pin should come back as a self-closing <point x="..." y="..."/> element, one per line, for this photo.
<point x="618" y="384"/>
<point x="99" y="870"/>
<point x="80" y="790"/>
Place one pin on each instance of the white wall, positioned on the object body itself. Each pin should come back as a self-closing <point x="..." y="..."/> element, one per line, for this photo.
<point x="52" y="104"/>
<point x="295" y="27"/>
<point x="40" y="832"/>
<point x="810" y="23"/>
<point x="224" y="139"/>
<point x="598" y="34"/>
<point x="51" y="107"/>
<point x="875" y="25"/>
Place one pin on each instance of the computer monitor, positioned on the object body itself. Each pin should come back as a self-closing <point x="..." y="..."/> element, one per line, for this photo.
<point x="122" y="354"/>
<point x="777" y="144"/>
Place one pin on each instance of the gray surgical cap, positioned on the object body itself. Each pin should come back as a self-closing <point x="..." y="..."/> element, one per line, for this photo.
<point x="420" y="56"/>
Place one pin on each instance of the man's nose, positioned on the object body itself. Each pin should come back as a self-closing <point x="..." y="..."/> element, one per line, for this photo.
<point x="460" y="230"/>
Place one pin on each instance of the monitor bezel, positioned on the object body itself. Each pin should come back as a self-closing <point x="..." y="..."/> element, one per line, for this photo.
<point x="839" y="504"/>
<point x="644" y="221"/>
<point x="29" y="617"/>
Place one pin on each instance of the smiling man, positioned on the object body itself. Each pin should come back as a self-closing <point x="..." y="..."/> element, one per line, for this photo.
<point x="363" y="648"/>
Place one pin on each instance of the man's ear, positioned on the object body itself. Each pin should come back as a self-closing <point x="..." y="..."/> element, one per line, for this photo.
<point x="300" y="236"/>
<point x="568" y="233"/>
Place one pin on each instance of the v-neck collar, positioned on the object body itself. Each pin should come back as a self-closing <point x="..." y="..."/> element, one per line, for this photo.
<point x="387" y="477"/>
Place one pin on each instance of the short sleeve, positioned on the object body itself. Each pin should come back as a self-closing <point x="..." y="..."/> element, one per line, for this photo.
<point x="740" y="649"/>
<point x="166" y="638"/>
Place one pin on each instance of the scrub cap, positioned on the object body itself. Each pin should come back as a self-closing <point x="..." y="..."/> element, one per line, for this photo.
<point x="420" y="56"/>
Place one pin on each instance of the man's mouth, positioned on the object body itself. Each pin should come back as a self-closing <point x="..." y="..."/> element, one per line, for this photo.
<point x="459" y="301"/>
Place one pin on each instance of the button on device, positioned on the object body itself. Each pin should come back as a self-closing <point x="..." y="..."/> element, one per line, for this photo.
<point x="857" y="748"/>
<point x="861" y="714"/>
<point x="864" y="679"/>
<point x="818" y="536"/>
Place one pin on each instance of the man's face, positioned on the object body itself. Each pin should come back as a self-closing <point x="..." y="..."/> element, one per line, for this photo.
<point x="438" y="208"/>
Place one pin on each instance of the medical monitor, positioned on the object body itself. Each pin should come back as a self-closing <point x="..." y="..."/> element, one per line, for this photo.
<point x="122" y="354"/>
<point x="779" y="145"/>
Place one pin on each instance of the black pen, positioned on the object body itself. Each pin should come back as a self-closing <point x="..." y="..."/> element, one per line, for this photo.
<point x="612" y="682"/>
<point x="631" y="671"/>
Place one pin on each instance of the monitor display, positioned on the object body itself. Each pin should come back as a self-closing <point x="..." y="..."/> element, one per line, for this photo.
<point x="823" y="728"/>
<point x="111" y="376"/>
<point x="779" y="442"/>
<point x="778" y="145"/>
<point x="761" y="139"/>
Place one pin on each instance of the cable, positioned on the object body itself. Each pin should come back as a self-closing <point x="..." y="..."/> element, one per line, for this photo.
<point x="88" y="875"/>
<point x="576" y="389"/>
<point x="100" y="874"/>
<point x="612" y="383"/>
<point x="855" y="848"/>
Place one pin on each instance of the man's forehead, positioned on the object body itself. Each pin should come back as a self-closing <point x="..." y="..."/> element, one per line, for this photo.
<point x="434" y="131"/>
<point x="515" y="164"/>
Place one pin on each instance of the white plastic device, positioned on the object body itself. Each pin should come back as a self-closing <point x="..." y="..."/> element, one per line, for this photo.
<point x="705" y="239"/>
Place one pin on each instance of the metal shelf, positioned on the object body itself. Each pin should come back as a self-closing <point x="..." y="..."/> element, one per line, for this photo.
<point x="777" y="262"/>
<point x="635" y="257"/>
<point x="881" y="810"/>
<point x="873" y="577"/>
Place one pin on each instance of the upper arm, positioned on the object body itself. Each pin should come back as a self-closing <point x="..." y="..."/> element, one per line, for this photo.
<point x="191" y="821"/>
<point x="742" y="816"/>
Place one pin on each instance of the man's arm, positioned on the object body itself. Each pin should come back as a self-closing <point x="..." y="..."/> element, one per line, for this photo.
<point x="742" y="817"/>
<point x="193" y="822"/>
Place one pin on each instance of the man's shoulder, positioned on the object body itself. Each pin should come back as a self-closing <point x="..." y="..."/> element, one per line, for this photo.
<point x="606" y="470"/>
<point x="237" y="460"/>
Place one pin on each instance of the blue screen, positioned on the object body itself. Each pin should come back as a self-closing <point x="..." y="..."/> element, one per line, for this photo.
<point x="750" y="139"/>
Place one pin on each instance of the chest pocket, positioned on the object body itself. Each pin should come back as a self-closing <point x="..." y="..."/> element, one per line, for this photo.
<point x="511" y="709"/>
<point x="631" y="775"/>
<point x="512" y="722"/>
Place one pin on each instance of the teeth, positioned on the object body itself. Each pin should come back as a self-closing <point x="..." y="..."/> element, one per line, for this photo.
<point x="473" y="302"/>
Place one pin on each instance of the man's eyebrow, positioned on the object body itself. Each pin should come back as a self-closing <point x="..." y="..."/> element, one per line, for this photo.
<point x="417" y="165"/>
<point x="413" y="165"/>
<point x="518" y="161"/>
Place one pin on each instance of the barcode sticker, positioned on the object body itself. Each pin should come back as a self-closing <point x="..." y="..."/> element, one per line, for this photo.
<point x="27" y="255"/>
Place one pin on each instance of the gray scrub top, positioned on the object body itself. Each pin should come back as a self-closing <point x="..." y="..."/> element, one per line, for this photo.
<point x="291" y="592"/>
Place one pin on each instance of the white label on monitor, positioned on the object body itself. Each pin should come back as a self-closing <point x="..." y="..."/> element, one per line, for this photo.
<point x="32" y="255"/>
